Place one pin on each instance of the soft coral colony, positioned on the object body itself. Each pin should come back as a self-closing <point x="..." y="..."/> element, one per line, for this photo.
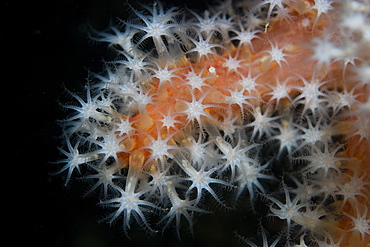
<point x="267" y="100"/>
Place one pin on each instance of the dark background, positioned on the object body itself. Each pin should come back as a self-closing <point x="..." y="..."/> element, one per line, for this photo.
<point x="47" y="50"/>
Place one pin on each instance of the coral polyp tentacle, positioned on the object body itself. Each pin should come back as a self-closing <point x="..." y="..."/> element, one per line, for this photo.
<point x="265" y="100"/>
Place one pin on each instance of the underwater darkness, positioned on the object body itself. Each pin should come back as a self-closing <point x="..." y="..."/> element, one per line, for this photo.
<point x="47" y="50"/>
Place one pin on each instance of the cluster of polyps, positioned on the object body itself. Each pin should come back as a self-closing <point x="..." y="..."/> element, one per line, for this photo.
<point x="267" y="99"/>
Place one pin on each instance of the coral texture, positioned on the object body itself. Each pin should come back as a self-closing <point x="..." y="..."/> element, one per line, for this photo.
<point x="265" y="100"/>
